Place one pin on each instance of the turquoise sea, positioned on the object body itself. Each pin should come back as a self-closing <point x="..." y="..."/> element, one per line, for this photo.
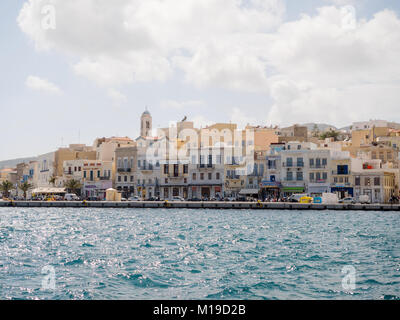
<point x="197" y="254"/>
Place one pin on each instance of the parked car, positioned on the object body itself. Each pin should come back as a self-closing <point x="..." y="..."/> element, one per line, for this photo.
<point x="124" y="199"/>
<point x="177" y="199"/>
<point x="347" y="200"/>
<point x="71" y="197"/>
<point x="135" y="198"/>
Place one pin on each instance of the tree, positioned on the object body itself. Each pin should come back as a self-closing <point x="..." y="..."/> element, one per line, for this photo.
<point x="73" y="185"/>
<point x="6" y="187"/>
<point x="330" y="134"/>
<point x="315" y="132"/>
<point x="52" y="180"/>
<point x="24" y="187"/>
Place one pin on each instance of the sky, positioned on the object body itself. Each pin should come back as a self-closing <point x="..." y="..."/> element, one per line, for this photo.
<point x="72" y="71"/>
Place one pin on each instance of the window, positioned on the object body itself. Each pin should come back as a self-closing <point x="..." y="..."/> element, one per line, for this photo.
<point x="201" y="176"/>
<point x="300" y="162"/>
<point x="357" y="181"/>
<point x="311" y="162"/>
<point x="194" y="176"/>
<point x="324" y="161"/>
<point x="343" y="169"/>
<point x="209" y="176"/>
<point x="84" y="174"/>
<point x="176" y="170"/>
<point x="367" y="181"/>
<point x="324" y="176"/>
<point x="377" y="181"/>
<point x="312" y="176"/>
<point x="289" y="162"/>
<point x="299" y="176"/>
<point x="132" y="178"/>
<point x="185" y="168"/>
<point x="218" y="176"/>
<point x="119" y="178"/>
<point x="125" y="178"/>
<point x="289" y="176"/>
<point x="166" y="169"/>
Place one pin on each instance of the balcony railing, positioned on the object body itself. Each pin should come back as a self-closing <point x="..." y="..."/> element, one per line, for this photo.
<point x="337" y="173"/>
<point x="293" y="165"/>
<point x="122" y="170"/>
<point x="318" y="166"/>
<point x="318" y="181"/>
<point x="146" y="168"/>
<point x="205" y="166"/>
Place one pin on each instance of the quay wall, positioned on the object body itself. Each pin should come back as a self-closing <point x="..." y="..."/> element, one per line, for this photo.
<point x="200" y="205"/>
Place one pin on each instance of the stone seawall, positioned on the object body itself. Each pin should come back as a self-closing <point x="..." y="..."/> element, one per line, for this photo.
<point x="200" y="205"/>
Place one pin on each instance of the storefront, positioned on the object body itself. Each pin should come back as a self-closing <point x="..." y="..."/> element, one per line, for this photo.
<point x="97" y="190"/>
<point x="287" y="191"/>
<point x="318" y="190"/>
<point x="270" y="190"/>
<point x="253" y="193"/>
<point x="342" y="191"/>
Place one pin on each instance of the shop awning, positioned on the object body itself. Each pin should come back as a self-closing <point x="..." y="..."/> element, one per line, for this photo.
<point x="248" y="191"/>
<point x="48" y="190"/>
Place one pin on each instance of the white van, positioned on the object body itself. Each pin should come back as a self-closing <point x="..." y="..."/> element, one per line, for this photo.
<point x="71" y="197"/>
<point x="364" y="199"/>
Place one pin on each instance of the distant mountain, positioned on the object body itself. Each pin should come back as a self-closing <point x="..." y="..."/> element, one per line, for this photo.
<point x="322" y="127"/>
<point x="13" y="163"/>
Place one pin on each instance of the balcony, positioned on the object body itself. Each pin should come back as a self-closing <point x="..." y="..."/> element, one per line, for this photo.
<point x="340" y="173"/>
<point x="293" y="165"/>
<point x="318" y="181"/>
<point x="147" y="168"/>
<point x="318" y="166"/>
<point x="206" y="166"/>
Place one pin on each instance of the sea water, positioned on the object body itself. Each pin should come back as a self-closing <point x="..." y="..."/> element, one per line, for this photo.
<point x="198" y="254"/>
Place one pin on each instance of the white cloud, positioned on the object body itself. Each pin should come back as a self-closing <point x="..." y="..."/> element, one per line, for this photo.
<point x="242" y="117"/>
<point x="40" y="84"/>
<point x="116" y="96"/>
<point x="315" y="68"/>
<point x="180" y="105"/>
<point x="123" y="41"/>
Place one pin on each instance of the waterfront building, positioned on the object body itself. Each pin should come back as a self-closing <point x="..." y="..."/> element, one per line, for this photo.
<point x="341" y="180"/>
<point x="271" y="183"/>
<point x="72" y="152"/>
<point x="45" y="171"/>
<point x="293" y="174"/>
<point x="206" y="173"/>
<point x="94" y="176"/>
<point x="125" y="164"/>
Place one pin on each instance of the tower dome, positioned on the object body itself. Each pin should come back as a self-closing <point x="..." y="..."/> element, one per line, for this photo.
<point x="146" y="124"/>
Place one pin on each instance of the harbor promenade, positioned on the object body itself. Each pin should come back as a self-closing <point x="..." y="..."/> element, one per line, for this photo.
<point x="200" y="205"/>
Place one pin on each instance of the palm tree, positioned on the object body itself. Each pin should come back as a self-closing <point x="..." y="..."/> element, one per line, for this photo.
<point x="25" y="186"/>
<point x="6" y="187"/>
<point x="52" y="180"/>
<point x="73" y="186"/>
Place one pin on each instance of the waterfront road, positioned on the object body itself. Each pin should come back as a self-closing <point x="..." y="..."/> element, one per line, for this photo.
<point x="199" y="205"/>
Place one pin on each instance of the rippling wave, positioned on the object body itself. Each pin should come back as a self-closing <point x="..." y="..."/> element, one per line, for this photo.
<point x="197" y="254"/>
